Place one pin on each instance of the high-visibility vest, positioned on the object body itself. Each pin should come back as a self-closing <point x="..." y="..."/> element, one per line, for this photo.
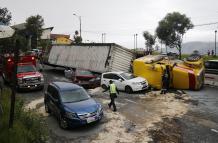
<point x="113" y="88"/>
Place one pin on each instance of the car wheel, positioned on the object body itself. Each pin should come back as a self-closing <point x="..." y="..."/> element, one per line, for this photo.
<point x="62" y="123"/>
<point x="128" y="89"/>
<point x="47" y="109"/>
<point x="104" y="86"/>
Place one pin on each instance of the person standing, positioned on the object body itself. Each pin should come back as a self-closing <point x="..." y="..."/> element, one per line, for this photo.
<point x="208" y="52"/>
<point x="113" y="94"/>
<point x="165" y="80"/>
<point x="212" y="53"/>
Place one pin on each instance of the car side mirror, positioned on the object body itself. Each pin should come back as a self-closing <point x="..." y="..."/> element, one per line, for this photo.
<point x="120" y="80"/>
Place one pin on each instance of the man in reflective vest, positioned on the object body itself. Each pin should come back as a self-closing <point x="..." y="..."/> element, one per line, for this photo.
<point x="113" y="94"/>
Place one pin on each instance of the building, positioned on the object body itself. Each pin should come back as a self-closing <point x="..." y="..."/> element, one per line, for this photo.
<point x="46" y="33"/>
<point x="61" y="39"/>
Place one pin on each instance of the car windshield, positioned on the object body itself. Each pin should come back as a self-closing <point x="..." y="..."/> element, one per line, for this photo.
<point x="83" y="72"/>
<point x="26" y="68"/>
<point x="127" y="76"/>
<point x="75" y="95"/>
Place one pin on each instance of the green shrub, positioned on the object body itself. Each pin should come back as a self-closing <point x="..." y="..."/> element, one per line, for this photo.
<point x="29" y="127"/>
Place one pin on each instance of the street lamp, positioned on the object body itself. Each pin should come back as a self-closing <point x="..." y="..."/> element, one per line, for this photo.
<point x="79" y="17"/>
<point x="215" y="42"/>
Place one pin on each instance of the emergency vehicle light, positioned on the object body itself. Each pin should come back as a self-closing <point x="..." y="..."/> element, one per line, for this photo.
<point x="33" y="58"/>
<point x="9" y="60"/>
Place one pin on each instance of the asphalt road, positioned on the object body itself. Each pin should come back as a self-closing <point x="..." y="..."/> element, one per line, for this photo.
<point x="199" y="124"/>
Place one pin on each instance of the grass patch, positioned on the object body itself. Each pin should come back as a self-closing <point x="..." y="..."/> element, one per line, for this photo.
<point x="29" y="127"/>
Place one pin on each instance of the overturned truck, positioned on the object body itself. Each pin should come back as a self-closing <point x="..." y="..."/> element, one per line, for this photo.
<point x="96" y="57"/>
<point x="186" y="74"/>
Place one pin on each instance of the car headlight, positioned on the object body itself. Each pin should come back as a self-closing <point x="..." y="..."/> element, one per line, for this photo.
<point x="99" y="108"/>
<point x="42" y="78"/>
<point x="20" y="80"/>
<point x="71" y="115"/>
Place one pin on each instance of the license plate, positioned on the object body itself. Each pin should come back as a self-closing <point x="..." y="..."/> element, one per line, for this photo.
<point x="90" y="119"/>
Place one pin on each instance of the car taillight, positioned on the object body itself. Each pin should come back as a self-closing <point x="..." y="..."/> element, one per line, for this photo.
<point x="33" y="58"/>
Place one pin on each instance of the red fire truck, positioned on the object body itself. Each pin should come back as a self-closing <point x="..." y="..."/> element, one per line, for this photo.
<point x="27" y="75"/>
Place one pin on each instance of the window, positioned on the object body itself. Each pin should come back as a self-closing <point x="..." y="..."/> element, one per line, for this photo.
<point x="74" y="95"/>
<point x="53" y="92"/>
<point x="108" y="76"/>
<point x="115" y="77"/>
<point x="111" y="76"/>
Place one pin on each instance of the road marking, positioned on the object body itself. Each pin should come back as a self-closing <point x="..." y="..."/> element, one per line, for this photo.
<point x="213" y="130"/>
<point x="131" y="101"/>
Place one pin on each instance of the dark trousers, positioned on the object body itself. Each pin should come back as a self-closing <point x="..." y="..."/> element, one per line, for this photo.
<point x="112" y="96"/>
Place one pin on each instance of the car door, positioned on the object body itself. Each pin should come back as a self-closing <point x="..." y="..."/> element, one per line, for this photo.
<point x="53" y="100"/>
<point x="56" y="102"/>
<point x="48" y="97"/>
<point x="119" y="83"/>
<point x="105" y="79"/>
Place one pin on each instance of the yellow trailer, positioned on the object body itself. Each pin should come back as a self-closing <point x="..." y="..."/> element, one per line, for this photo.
<point x="187" y="74"/>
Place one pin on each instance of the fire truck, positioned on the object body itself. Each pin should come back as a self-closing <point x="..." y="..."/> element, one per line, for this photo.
<point x="27" y="76"/>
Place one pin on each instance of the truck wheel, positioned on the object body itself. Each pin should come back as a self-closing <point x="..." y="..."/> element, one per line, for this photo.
<point x="104" y="86"/>
<point x="47" y="109"/>
<point x="128" y="89"/>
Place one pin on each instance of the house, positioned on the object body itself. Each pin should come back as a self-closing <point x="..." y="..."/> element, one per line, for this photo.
<point x="60" y="39"/>
<point x="46" y="33"/>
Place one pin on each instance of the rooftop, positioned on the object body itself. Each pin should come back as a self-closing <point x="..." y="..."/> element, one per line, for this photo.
<point x="63" y="86"/>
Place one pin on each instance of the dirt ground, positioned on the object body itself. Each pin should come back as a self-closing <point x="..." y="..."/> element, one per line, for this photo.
<point x="143" y="117"/>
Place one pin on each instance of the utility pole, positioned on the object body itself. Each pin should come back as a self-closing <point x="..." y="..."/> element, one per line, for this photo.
<point x="215" y="43"/>
<point x="14" y="83"/>
<point x="80" y="24"/>
<point x="103" y="38"/>
<point x="136" y="41"/>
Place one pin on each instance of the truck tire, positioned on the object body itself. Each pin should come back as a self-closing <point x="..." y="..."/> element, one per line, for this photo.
<point x="128" y="89"/>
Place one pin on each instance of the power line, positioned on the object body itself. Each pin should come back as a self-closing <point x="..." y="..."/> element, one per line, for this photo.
<point x="205" y="24"/>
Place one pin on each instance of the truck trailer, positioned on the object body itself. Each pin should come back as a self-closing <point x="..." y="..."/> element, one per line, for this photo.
<point x="95" y="57"/>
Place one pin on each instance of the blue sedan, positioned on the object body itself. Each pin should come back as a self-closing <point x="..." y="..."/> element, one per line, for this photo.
<point x="71" y="104"/>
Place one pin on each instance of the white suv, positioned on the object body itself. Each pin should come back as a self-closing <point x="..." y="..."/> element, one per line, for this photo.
<point x="124" y="81"/>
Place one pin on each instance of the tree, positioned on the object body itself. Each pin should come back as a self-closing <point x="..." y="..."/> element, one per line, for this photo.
<point x="77" y="38"/>
<point x="149" y="40"/>
<point x="34" y="26"/>
<point x="172" y="28"/>
<point x="5" y="16"/>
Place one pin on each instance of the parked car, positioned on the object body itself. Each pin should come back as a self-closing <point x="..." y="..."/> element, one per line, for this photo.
<point x="83" y="78"/>
<point x="71" y="104"/>
<point x="124" y="81"/>
<point x="211" y="66"/>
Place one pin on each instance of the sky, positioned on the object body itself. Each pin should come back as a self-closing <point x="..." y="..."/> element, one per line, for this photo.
<point x="119" y="19"/>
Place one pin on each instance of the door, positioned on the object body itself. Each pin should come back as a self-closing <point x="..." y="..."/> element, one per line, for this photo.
<point x="118" y="81"/>
<point x="53" y="101"/>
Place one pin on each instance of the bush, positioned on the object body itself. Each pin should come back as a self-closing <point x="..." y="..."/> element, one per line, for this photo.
<point x="29" y="127"/>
